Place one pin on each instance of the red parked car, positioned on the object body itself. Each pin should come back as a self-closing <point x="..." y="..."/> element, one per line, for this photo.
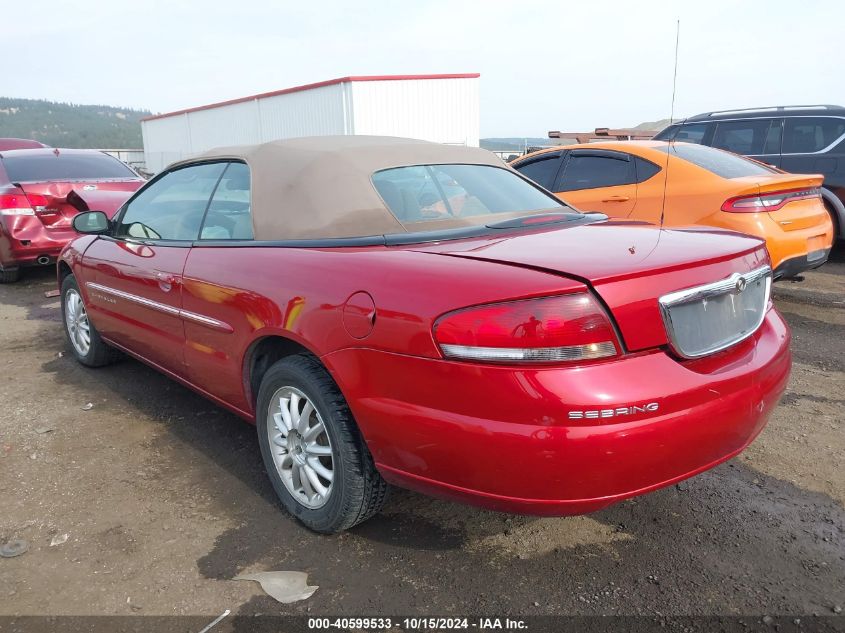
<point x="390" y="311"/>
<point x="41" y="190"/>
<point x="19" y="143"/>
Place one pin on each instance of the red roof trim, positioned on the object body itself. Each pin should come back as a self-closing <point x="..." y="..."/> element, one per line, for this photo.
<point x="319" y="84"/>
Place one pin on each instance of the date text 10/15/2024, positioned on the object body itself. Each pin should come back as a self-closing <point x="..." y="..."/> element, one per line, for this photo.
<point x="416" y="623"/>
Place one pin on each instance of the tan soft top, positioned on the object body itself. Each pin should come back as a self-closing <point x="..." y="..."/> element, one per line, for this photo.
<point x="320" y="187"/>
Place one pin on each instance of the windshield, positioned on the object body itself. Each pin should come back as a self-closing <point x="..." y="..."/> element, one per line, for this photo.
<point x="47" y="166"/>
<point x="427" y="193"/>
<point x="719" y="162"/>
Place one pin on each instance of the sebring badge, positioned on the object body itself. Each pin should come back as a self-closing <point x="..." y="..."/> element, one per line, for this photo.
<point x="651" y="407"/>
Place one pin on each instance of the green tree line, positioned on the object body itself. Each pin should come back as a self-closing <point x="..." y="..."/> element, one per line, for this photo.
<point x="71" y="125"/>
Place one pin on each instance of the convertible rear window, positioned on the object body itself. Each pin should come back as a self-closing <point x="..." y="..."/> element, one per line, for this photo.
<point x="719" y="162"/>
<point x="42" y="167"/>
<point x="425" y="193"/>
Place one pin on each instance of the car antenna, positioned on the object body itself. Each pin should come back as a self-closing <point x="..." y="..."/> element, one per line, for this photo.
<point x="671" y="120"/>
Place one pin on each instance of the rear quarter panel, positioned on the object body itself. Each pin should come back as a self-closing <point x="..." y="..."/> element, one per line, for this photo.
<point x="691" y="193"/>
<point x="71" y="255"/>
<point x="300" y="294"/>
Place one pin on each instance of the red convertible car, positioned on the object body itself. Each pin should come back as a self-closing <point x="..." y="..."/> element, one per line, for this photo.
<point x="390" y="311"/>
<point x="42" y="189"/>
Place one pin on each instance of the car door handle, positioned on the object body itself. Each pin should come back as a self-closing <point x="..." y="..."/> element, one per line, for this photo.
<point x="166" y="281"/>
<point x="617" y="199"/>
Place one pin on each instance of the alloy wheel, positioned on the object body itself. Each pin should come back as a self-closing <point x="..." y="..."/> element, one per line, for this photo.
<point x="301" y="447"/>
<point x="76" y="319"/>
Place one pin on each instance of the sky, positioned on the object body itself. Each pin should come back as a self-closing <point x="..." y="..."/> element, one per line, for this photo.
<point x="545" y="65"/>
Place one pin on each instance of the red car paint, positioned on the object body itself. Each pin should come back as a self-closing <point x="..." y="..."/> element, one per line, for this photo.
<point x="39" y="236"/>
<point x="495" y="435"/>
<point x="19" y="143"/>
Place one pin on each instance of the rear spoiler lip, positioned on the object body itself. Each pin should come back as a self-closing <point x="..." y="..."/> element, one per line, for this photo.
<point x="777" y="183"/>
<point x="788" y="181"/>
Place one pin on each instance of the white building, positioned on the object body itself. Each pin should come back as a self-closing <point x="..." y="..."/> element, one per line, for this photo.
<point x="440" y="108"/>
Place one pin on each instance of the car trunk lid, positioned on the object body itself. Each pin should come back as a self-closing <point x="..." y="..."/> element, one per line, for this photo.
<point x="629" y="265"/>
<point x="797" y="211"/>
<point x="55" y="203"/>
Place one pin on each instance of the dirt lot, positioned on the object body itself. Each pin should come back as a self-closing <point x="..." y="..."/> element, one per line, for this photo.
<point x="163" y="500"/>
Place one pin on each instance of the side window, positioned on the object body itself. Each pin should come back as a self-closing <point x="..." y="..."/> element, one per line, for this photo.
<point x="172" y="207"/>
<point x="228" y="216"/>
<point x="667" y="134"/>
<point x="693" y="133"/>
<point x="542" y="171"/>
<point x="742" y="137"/>
<point x="422" y="193"/>
<point x="773" y="138"/>
<point x="802" y="135"/>
<point x="645" y="169"/>
<point x="589" y="172"/>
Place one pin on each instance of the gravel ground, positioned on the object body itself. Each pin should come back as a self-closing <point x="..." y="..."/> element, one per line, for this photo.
<point x="163" y="500"/>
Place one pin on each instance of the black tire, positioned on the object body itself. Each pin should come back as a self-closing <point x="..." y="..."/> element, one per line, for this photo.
<point x="9" y="275"/>
<point x="99" y="353"/>
<point x="358" y="490"/>
<point x="833" y="218"/>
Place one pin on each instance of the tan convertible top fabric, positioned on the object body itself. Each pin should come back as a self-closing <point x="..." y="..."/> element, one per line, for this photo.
<point x="320" y="187"/>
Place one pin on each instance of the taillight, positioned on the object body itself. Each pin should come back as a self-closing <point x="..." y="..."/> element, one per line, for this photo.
<point x="15" y="204"/>
<point x="39" y="203"/>
<point x="771" y="201"/>
<point x="564" y="328"/>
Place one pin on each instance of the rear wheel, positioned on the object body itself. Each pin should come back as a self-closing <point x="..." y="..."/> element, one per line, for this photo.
<point x="314" y="454"/>
<point x="9" y="275"/>
<point x="85" y="342"/>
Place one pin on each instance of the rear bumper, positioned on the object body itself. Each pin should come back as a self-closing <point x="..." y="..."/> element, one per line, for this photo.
<point x="814" y="238"/>
<point x="797" y="265"/>
<point x="502" y="438"/>
<point x="22" y="243"/>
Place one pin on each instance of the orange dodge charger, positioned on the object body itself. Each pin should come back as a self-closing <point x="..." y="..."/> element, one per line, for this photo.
<point x="706" y="186"/>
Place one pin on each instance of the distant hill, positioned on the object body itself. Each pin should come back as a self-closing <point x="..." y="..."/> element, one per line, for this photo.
<point x="71" y="125"/>
<point x="104" y="127"/>
<point x="518" y="144"/>
<point x="655" y="125"/>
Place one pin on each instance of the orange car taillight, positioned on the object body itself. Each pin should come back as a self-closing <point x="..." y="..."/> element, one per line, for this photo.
<point x="565" y="328"/>
<point x="771" y="201"/>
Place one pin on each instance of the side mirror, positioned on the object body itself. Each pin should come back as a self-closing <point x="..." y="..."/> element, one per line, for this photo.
<point x="91" y="223"/>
